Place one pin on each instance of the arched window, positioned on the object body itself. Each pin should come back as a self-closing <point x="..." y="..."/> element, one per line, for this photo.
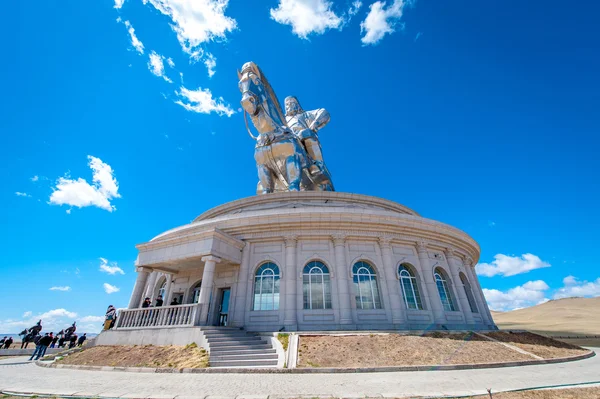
<point x="443" y="289"/>
<point x="365" y="284"/>
<point x="410" y="288"/>
<point x="196" y="292"/>
<point x="468" y="292"/>
<point x="316" y="286"/>
<point x="162" y="291"/>
<point x="266" y="287"/>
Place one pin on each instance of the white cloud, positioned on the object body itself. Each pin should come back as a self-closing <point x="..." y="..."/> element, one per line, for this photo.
<point x="156" y="66"/>
<point x="119" y="4"/>
<point x="196" y="21"/>
<point x="202" y="102"/>
<point x="111" y="268"/>
<point x="65" y="288"/>
<point x="510" y="265"/>
<point x="20" y="194"/>
<point x="211" y="63"/>
<point x="34" y="178"/>
<point x="529" y="294"/>
<point x="570" y="280"/>
<point x="80" y="193"/>
<point x="354" y="8"/>
<point x="110" y="289"/>
<point x="306" y="16"/>
<point x="91" y="319"/>
<point x="380" y="20"/>
<point x="27" y="314"/>
<point x="170" y="62"/>
<point x="135" y="42"/>
<point x="574" y="287"/>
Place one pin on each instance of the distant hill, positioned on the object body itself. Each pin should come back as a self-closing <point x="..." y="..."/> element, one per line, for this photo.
<point x="569" y="316"/>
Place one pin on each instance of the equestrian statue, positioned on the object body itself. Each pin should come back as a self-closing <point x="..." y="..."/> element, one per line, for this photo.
<point x="30" y="334"/>
<point x="288" y="152"/>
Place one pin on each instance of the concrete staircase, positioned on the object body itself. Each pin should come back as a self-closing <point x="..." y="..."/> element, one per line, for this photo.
<point x="230" y="347"/>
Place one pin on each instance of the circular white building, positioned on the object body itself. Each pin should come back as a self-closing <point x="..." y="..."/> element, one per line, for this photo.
<point x="311" y="260"/>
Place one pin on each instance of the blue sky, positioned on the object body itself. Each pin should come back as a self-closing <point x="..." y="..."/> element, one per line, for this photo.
<point x="483" y="115"/>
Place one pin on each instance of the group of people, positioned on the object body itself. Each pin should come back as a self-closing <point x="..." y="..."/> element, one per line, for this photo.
<point x="159" y="302"/>
<point x="6" y="342"/>
<point x="48" y="340"/>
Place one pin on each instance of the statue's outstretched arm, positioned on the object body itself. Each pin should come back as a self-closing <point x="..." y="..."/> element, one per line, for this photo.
<point x="320" y="118"/>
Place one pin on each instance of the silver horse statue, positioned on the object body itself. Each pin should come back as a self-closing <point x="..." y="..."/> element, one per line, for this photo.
<point x="282" y="161"/>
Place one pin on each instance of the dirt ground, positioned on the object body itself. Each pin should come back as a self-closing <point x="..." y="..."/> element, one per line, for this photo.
<point x="545" y="347"/>
<point x="140" y="356"/>
<point x="401" y="350"/>
<point x="573" y="393"/>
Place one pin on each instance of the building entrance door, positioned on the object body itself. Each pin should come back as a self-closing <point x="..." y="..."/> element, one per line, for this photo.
<point x="224" y="306"/>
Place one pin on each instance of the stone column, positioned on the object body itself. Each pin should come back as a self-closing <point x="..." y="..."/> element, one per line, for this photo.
<point x="289" y="320"/>
<point x="242" y="286"/>
<point x="167" y="298"/>
<point x="454" y="264"/>
<point x="484" y="310"/>
<point x="208" y="277"/>
<point x="150" y="287"/>
<point x="344" y="282"/>
<point x="430" y="287"/>
<point x="138" y="289"/>
<point x="391" y="275"/>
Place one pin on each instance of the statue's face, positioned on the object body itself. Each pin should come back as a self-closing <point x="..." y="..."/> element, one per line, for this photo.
<point x="292" y="107"/>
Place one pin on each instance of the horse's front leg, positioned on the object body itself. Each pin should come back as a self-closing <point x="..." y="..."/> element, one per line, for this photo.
<point x="266" y="179"/>
<point x="294" y="172"/>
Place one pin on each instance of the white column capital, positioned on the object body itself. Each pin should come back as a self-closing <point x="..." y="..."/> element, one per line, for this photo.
<point x="468" y="261"/>
<point x="385" y="241"/>
<point x="338" y="239"/>
<point x="211" y="258"/>
<point x="421" y="247"/>
<point x="290" y="240"/>
<point x="450" y="252"/>
<point x="144" y="269"/>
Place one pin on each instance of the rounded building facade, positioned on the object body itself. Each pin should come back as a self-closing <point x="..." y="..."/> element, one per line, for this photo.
<point x="314" y="261"/>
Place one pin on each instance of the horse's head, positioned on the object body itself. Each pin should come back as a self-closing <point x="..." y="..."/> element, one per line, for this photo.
<point x="251" y="87"/>
<point x="259" y="99"/>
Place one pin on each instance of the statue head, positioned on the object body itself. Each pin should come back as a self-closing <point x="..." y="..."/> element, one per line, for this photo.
<point x="292" y="106"/>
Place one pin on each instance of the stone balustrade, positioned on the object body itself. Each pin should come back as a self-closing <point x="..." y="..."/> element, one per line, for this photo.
<point x="163" y="316"/>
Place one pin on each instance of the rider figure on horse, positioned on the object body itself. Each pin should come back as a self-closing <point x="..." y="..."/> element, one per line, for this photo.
<point x="305" y="125"/>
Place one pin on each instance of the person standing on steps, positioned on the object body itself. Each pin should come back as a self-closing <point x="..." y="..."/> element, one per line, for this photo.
<point x="81" y="339"/>
<point x="8" y="343"/>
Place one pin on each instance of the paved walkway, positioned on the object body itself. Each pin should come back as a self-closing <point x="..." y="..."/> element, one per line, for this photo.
<point x="18" y="375"/>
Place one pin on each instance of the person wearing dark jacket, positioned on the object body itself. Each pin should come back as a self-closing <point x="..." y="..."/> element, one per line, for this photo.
<point x="81" y="339"/>
<point x="42" y="345"/>
<point x="174" y="302"/>
<point x="54" y="340"/>
<point x="146" y="303"/>
<point x="8" y="343"/>
<point x="72" y="341"/>
<point x="159" y="301"/>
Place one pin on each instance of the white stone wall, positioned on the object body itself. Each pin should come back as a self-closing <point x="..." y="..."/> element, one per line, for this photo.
<point x="244" y="236"/>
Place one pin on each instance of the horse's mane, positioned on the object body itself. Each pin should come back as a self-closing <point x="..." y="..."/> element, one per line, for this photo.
<point x="271" y="92"/>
